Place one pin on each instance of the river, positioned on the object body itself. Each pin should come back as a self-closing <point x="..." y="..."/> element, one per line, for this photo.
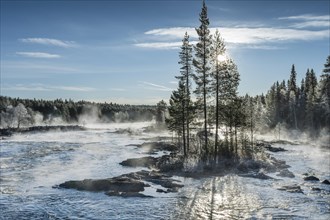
<point x="32" y="163"/>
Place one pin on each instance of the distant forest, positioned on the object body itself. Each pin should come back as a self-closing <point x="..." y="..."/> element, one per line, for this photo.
<point x="16" y="112"/>
<point x="303" y="107"/>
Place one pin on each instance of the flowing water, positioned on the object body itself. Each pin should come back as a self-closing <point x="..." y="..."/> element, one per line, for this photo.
<point x="31" y="164"/>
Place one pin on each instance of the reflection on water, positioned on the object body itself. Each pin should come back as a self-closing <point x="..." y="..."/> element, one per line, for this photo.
<point x="223" y="197"/>
<point x="234" y="197"/>
<point x="31" y="164"/>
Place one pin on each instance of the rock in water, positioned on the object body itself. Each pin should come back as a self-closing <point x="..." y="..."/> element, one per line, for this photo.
<point x="119" y="184"/>
<point x="286" y="173"/>
<point x="311" y="178"/>
<point x="126" y="185"/>
<point x="127" y="194"/>
<point x="291" y="189"/>
<point x="326" y="182"/>
<point x="161" y="191"/>
<point x="139" y="162"/>
<point x="259" y="175"/>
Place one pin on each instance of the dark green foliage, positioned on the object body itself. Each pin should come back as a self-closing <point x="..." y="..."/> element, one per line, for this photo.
<point x="306" y="108"/>
<point x="201" y="63"/>
<point x="327" y="66"/>
<point x="218" y="49"/>
<point x="175" y="121"/>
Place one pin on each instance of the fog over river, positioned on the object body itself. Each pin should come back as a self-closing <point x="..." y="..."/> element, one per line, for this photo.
<point x="32" y="163"/>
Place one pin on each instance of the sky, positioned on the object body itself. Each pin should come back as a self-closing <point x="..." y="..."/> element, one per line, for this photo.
<point x="127" y="51"/>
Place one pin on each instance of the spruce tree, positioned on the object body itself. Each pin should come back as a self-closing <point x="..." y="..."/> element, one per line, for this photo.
<point x="292" y="97"/>
<point x="311" y="86"/>
<point x="218" y="49"/>
<point x="323" y="96"/>
<point x="202" y="66"/>
<point x="229" y="81"/>
<point x="292" y="85"/>
<point x="327" y="66"/>
<point x="175" y="122"/>
<point x="185" y="61"/>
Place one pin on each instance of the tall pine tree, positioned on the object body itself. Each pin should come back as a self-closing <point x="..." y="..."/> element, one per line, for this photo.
<point x="292" y="97"/>
<point x="176" y="121"/>
<point x="218" y="50"/>
<point x="202" y="66"/>
<point x="185" y="61"/>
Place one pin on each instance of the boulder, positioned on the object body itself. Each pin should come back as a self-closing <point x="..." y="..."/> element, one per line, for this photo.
<point x="291" y="189"/>
<point x="286" y="173"/>
<point x="127" y="194"/>
<point x="316" y="189"/>
<point x="269" y="147"/>
<point x="326" y="182"/>
<point x="161" y="191"/>
<point x="157" y="178"/>
<point x="259" y="175"/>
<point x="126" y="185"/>
<point x="311" y="178"/>
<point x="117" y="184"/>
<point x="140" y="162"/>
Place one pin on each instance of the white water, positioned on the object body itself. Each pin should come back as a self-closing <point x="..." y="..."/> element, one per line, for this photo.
<point x="32" y="163"/>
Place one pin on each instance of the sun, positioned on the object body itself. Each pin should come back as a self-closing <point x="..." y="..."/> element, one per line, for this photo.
<point x="222" y="57"/>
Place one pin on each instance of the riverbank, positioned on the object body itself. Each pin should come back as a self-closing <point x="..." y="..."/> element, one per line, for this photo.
<point x="5" y="132"/>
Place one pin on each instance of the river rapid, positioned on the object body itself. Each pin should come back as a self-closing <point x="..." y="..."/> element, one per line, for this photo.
<point x="32" y="163"/>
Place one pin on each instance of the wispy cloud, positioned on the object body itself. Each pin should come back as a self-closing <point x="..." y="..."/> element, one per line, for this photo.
<point x="43" y="87"/>
<point x="253" y="37"/>
<point x="21" y="87"/>
<point x="38" y="55"/>
<point x="49" y="41"/>
<point x="152" y="86"/>
<point x="308" y="20"/>
<point x="73" y="88"/>
<point x="266" y="35"/>
<point x="173" y="32"/>
<point x="160" y="45"/>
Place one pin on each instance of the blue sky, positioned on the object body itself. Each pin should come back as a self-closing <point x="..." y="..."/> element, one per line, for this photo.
<point x="127" y="51"/>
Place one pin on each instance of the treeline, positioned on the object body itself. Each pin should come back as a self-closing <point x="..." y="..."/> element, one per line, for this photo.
<point x="221" y="124"/>
<point x="15" y="112"/>
<point x="305" y="107"/>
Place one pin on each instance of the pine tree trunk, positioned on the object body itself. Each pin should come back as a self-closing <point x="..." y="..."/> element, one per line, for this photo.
<point x="183" y="130"/>
<point x="236" y="146"/>
<point x="187" y="105"/>
<point x="204" y="96"/>
<point x="251" y="116"/>
<point x="216" y="115"/>
<point x="295" y="117"/>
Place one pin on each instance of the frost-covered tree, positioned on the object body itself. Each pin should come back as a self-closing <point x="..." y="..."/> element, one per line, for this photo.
<point x="160" y="112"/>
<point x="201" y="63"/>
<point x="21" y="115"/>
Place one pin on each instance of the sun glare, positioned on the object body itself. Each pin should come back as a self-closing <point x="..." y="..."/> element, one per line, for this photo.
<point x="222" y="57"/>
